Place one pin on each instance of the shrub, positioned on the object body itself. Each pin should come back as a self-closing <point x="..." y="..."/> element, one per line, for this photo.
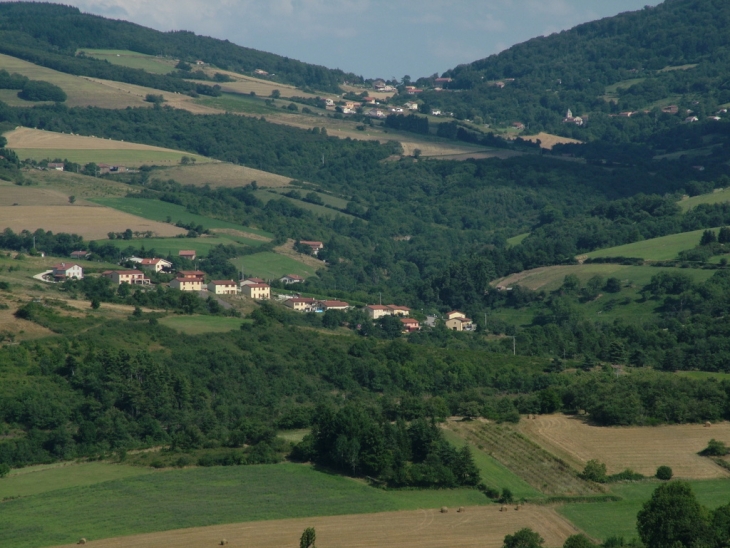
<point x="715" y="449"/>
<point x="626" y="475"/>
<point x="594" y="471"/>
<point x="4" y="470"/>
<point x="37" y="90"/>
<point x="507" y="496"/>
<point x="664" y="473"/>
<point x="578" y="541"/>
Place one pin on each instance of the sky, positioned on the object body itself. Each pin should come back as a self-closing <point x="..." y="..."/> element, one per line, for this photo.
<point x="372" y="38"/>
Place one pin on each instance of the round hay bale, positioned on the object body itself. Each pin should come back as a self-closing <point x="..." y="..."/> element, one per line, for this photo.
<point x="517" y="507"/>
<point x="708" y="424"/>
<point x="224" y="542"/>
<point x="503" y="509"/>
<point x="461" y="509"/>
<point x="81" y="541"/>
<point x="444" y="510"/>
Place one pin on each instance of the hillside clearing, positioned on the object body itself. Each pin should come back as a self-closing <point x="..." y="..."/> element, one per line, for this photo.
<point x="11" y="194"/>
<point x="131" y="59"/>
<point x="533" y="464"/>
<point x="163" y="247"/>
<point x="271" y="266"/>
<point x="196" y="325"/>
<point x="93" y="223"/>
<point x="476" y="527"/>
<point x="75" y="184"/>
<point x="643" y="449"/>
<point x="548" y="140"/>
<point x="720" y="196"/>
<point x="656" y="249"/>
<point x="222" y="175"/>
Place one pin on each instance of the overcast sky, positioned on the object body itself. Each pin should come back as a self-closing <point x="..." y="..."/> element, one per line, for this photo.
<point x="374" y="38"/>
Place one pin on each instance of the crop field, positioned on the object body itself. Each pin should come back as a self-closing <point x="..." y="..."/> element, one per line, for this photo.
<point x="494" y="473"/>
<point x="220" y="174"/>
<point x="239" y="103"/>
<point x="548" y="140"/>
<point x="262" y="88"/>
<point x="601" y="520"/>
<point x="10" y="98"/>
<point x="67" y="184"/>
<point x="171" y="246"/>
<point x="269" y="265"/>
<point x="93" y="223"/>
<point x="643" y="449"/>
<point x="42" y="145"/>
<point x="160" y="211"/>
<point x="551" y="278"/>
<point x="132" y="59"/>
<point x="656" y="249"/>
<point x="196" y="325"/>
<point x="475" y="527"/>
<point x="540" y="469"/>
<point x="11" y="194"/>
<point x="81" y="91"/>
<point x="198" y="497"/>
<point x="720" y="196"/>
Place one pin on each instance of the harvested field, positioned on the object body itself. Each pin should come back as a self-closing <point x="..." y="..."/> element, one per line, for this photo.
<point x="643" y="449"/>
<point x="222" y="175"/>
<point x="14" y="329"/>
<point x="475" y="527"/>
<point x="548" y="140"/>
<point x="11" y="194"/>
<point x="524" y="457"/>
<point x="75" y="184"/>
<point x="38" y="144"/>
<point x="287" y="250"/>
<point x="93" y="223"/>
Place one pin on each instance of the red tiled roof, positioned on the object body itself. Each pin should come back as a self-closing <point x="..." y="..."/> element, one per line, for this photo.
<point x="128" y="272"/>
<point x="223" y="282"/>
<point x="64" y="266"/>
<point x="258" y="286"/>
<point x="397" y="307"/>
<point x="255" y="280"/>
<point x="377" y="307"/>
<point x="294" y="277"/>
<point x="408" y="320"/>
<point x="332" y="304"/>
<point x="308" y="300"/>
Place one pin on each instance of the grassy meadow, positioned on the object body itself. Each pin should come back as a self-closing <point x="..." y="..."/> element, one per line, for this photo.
<point x="131" y="59"/>
<point x="129" y="158"/>
<point x="604" y="519"/>
<point x="194" y="497"/>
<point x="198" y="325"/>
<point x="517" y="240"/>
<point x="720" y="196"/>
<point x="171" y="246"/>
<point x="160" y="211"/>
<point x="269" y="265"/>
<point x="321" y="211"/>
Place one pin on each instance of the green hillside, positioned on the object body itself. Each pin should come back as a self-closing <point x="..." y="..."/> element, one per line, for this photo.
<point x="657" y="249"/>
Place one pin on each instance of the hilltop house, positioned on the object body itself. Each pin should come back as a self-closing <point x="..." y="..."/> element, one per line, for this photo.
<point x="187" y="284"/>
<point x="223" y="287"/>
<point x="257" y="291"/>
<point x="132" y="277"/>
<point x="333" y="305"/>
<point x="195" y="274"/>
<point x="158" y="265"/>
<point x="301" y="304"/>
<point x="377" y="311"/>
<point x="188" y="254"/>
<point x="410" y="325"/>
<point x="519" y="126"/>
<point x="291" y="279"/>
<point x="411" y="105"/>
<point x="67" y="271"/>
<point x="252" y="281"/>
<point x="80" y="254"/>
<point x="58" y="166"/>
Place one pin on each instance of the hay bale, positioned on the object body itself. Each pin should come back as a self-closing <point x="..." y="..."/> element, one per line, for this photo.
<point x="444" y="510"/>
<point x="517" y="507"/>
<point x="461" y="509"/>
<point x="503" y="509"/>
<point x="81" y="541"/>
<point x="223" y="542"/>
<point x="708" y="424"/>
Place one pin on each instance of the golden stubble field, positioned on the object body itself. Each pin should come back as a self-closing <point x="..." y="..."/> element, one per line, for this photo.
<point x="641" y="448"/>
<point x="481" y="526"/>
<point x="223" y="175"/>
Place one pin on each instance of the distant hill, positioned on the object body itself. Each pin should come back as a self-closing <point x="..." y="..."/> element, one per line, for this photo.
<point x="50" y="35"/>
<point x="672" y="54"/>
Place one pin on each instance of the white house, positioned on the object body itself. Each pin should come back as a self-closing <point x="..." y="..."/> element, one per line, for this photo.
<point x="67" y="271"/>
<point x="157" y="265"/>
<point x="187" y="284"/>
<point x="291" y="279"/>
<point x="261" y="292"/>
<point x="132" y="277"/>
<point x="252" y="281"/>
<point x="223" y="287"/>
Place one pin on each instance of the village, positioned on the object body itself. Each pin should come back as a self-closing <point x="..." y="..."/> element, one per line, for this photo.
<point x="253" y="288"/>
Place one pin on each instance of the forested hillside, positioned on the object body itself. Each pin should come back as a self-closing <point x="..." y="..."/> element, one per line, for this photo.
<point x="671" y="54"/>
<point x="51" y="34"/>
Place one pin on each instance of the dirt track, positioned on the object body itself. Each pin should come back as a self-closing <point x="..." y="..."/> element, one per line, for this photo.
<point x="481" y="526"/>
<point x="641" y="448"/>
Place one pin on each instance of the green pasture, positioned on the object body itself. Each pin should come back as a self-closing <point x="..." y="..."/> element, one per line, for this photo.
<point x="128" y="158"/>
<point x="157" y="210"/>
<point x="171" y="246"/>
<point x="517" y="240"/>
<point x="130" y="59"/>
<point x="328" y="199"/>
<point x="321" y="211"/>
<point x="604" y="519"/>
<point x="717" y="197"/>
<point x="198" y="497"/>
<point x="269" y="265"/>
<point x="235" y="102"/>
<point x="34" y="480"/>
<point x="624" y="84"/>
<point x="656" y="249"/>
<point x="197" y="325"/>
<point x="10" y="98"/>
<point x="702" y="375"/>
<point x="494" y="473"/>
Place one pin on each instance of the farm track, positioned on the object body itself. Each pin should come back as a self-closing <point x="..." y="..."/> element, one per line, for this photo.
<point x="540" y="469"/>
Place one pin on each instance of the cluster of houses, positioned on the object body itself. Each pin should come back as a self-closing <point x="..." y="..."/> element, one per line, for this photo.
<point x="102" y="168"/>
<point x="570" y="119"/>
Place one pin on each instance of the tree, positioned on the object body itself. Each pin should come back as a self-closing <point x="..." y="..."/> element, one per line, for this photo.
<point x="724" y="236"/>
<point x="506" y="496"/>
<point x="673" y="517"/>
<point x="708" y="237"/>
<point x="524" y="538"/>
<point x="4" y="470"/>
<point x="715" y="448"/>
<point x="95" y="304"/>
<point x="308" y="538"/>
<point x="613" y="285"/>
<point x="417" y="153"/>
<point x="578" y="541"/>
<point x="275" y="94"/>
<point x="594" y="471"/>
<point x="664" y="473"/>
<point x="71" y="199"/>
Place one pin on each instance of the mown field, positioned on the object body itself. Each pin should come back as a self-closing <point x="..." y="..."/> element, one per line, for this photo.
<point x="656" y="249"/>
<point x="220" y="174"/>
<point x="720" y="196"/>
<point x="75" y="184"/>
<point x="131" y="59"/>
<point x="199" y="497"/>
<point x="161" y="211"/>
<point x="127" y="158"/>
<point x="270" y="266"/>
<point x="643" y="449"/>
<point x="198" y="325"/>
<point x="601" y="520"/>
<point x="171" y="246"/>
